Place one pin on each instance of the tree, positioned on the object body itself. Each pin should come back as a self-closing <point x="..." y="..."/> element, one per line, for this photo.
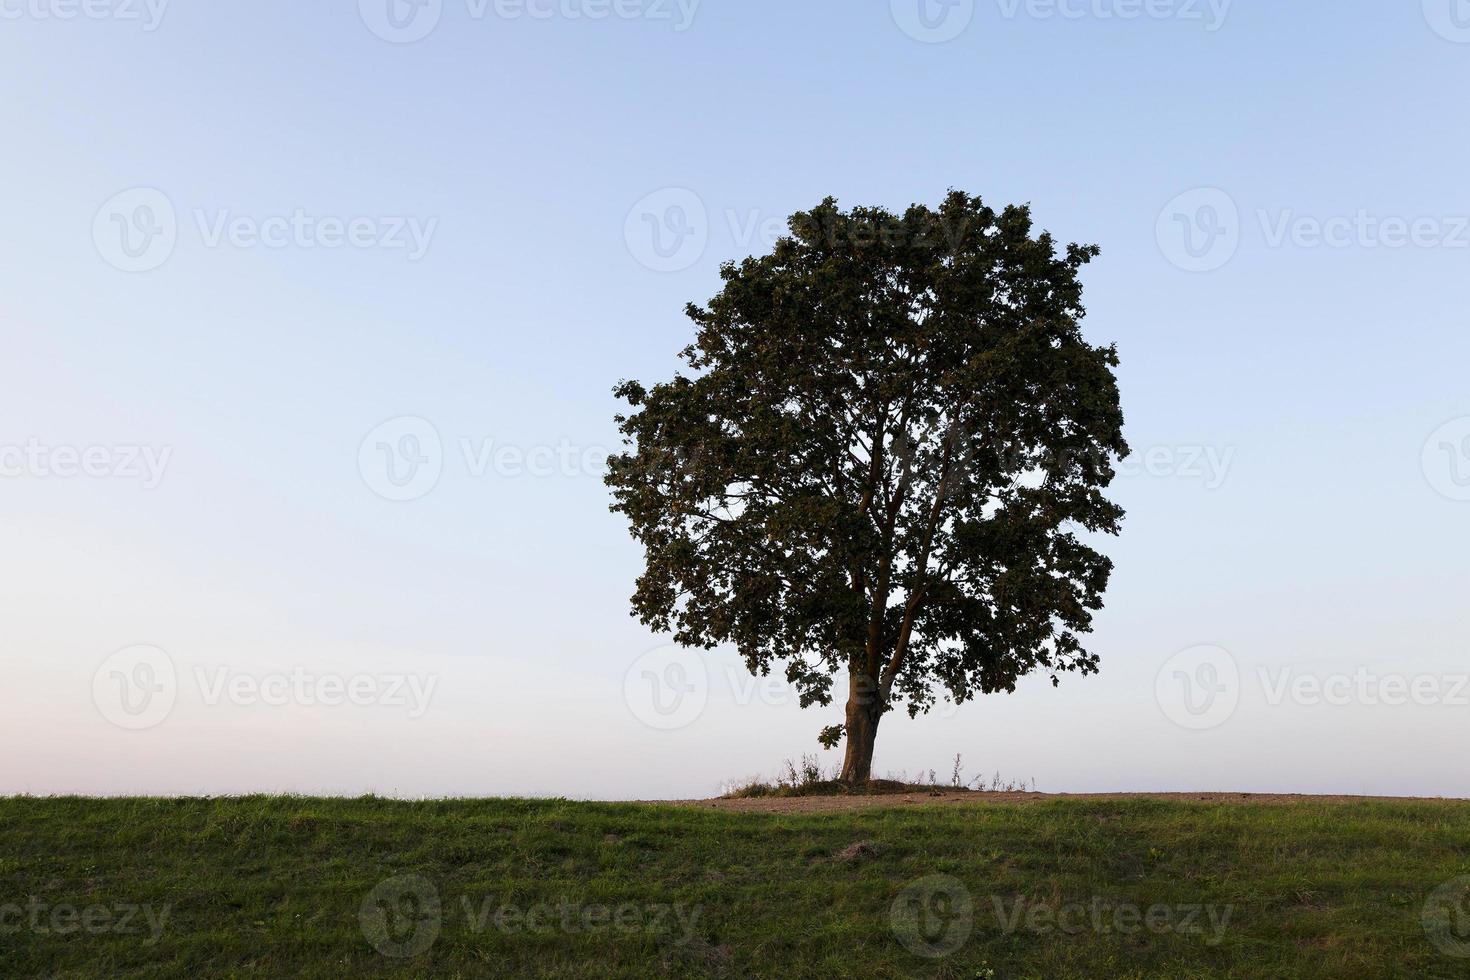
<point x="891" y="437"/>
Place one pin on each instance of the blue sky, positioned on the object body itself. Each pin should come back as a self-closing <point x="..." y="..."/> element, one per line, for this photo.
<point x="339" y="239"/>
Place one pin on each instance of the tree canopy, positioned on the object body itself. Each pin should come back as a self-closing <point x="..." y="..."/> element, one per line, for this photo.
<point x="883" y="459"/>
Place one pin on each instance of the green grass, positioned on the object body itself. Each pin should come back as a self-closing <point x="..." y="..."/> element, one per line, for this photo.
<point x="276" y="886"/>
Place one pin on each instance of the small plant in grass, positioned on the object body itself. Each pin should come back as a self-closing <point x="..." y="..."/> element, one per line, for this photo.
<point x="998" y="785"/>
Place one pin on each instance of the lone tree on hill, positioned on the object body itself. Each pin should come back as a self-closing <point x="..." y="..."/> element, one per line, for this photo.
<point x="890" y="437"/>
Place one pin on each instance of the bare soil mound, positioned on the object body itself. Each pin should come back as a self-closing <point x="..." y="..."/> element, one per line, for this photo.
<point x="940" y="797"/>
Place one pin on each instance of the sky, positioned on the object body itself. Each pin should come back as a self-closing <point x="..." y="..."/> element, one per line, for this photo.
<point x="311" y="315"/>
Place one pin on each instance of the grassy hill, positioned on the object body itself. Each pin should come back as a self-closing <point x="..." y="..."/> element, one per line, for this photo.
<point x="287" y="886"/>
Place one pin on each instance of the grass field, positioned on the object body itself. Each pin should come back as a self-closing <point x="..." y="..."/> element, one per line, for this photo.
<point x="288" y="886"/>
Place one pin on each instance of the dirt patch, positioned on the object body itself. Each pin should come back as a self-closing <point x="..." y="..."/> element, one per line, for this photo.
<point x="862" y="849"/>
<point x="837" y="804"/>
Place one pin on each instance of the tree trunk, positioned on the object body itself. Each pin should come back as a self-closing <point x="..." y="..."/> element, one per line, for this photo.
<point x="863" y="714"/>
